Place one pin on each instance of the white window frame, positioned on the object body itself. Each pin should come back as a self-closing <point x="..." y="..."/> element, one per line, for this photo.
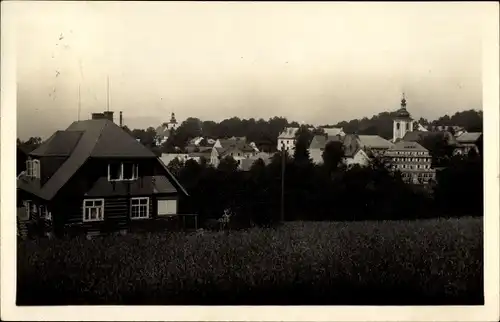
<point x="33" y="168"/>
<point x="27" y="208"/>
<point x="135" y="172"/>
<point x="100" y="210"/>
<point x="168" y="200"/>
<point x="29" y="168"/>
<point x="44" y="212"/>
<point x="132" y="206"/>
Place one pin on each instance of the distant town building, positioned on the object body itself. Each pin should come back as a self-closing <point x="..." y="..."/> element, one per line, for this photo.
<point x="246" y="164"/>
<point x="402" y="123"/>
<point x="332" y="131"/>
<point x="317" y="146"/>
<point x="467" y="142"/>
<point x="419" y="136"/>
<point x="287" y="139"/>
<point x="164" y="130"/>
<point x="353" y="151"/>
<point x="374" y="144"/>
<point x="358" y="149"/>
<point x="237" y="148"/>
<point x="203" y="152"/>
<point x="413" y="161"/>
<point x="454" y="129"/>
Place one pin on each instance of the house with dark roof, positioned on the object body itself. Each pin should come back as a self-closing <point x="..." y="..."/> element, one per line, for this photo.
<point x="357" y="148"/>
<point x="237" y="148"/>
<point x="468" y="141"/>
<point x="354" y="153"/>
<point x="317" y="146"/>
<point x="420" y="136"/>
<point x="22" y="156"/>
<point x="94" y="177"/>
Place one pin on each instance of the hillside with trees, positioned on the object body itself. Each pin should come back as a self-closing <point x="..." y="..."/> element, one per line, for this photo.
<point x="329" y="191"/>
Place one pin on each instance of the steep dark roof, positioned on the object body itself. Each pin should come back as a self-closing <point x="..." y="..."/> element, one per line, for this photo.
<point x="402" y="113"/>
<point x="415" y="136"/>
<point x="407" y="145"/>
<point x="98" y="138"/>
<point x="373" y="142"/>
<point x="106" y="139"/>
<point x="469" y="137"/>
<point x="60" y="143"/>
<point x="234" y="144"/>
<point x="320" y="141"/>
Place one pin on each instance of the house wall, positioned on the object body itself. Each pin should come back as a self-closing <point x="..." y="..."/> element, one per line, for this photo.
<point x="116" y="215"/>
<point x="214" y="157"/>
<point x="359" y="158"/>
<point x="316" y="155"/>
<point x="288" y="142"/>
<point x="405" y="125"/>
<point x="68" y="204"/>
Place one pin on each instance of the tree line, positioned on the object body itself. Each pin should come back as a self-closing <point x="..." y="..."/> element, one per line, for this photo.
<point x="266" y="132"/>
<point x="261" y="131"/>
<point x="329" y="191"/>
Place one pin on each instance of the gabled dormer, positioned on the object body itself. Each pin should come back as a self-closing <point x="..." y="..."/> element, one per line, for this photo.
<point x="33" y="168"/>
<point x="123" y="171"/>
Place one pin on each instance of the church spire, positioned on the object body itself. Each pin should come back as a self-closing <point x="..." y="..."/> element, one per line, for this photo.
<point x="403" y="101"/>
<point x="172" y="119"/>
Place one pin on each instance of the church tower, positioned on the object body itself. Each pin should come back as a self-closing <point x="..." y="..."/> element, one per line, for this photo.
<point x="402" y="122"/>
<point x="172" y="125"/>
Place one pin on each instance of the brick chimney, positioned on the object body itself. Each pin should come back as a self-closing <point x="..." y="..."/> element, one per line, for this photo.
<point x="108" y="115"/>
<point x="98" y="116"/>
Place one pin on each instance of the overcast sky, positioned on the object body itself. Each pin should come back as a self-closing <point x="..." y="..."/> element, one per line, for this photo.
<point x="312" y="62"/>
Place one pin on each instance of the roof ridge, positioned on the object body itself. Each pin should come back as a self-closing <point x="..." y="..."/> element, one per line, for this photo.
<point x="101" y="131"/>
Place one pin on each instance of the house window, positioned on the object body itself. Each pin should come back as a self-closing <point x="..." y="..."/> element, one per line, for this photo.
<point x="407" y="126"/>
<point x="33" y="168"/>
<point x="139" y="208"/>
<point x="114" y="171"/>
<point x="25" y="215"/>
<point x="93" y="210"/>
<point x="130" y="171"/>
<point x="45" y="213"/>
<point x="167" y="207"/>
<point x="397" y="126"/>
<point x="118" y="171"/>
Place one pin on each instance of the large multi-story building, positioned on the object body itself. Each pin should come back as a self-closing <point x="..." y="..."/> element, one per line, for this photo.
<point x="413" y="161"/>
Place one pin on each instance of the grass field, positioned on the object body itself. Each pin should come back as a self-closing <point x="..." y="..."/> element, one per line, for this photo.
<point x="431" y="262"/>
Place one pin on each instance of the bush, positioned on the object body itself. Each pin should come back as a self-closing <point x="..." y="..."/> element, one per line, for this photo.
<point x="359" y="263"/>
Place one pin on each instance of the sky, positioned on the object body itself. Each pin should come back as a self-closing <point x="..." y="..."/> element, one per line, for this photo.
<point x="318" y="63"/>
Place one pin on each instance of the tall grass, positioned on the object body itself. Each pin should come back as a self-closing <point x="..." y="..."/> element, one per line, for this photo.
<point x="371" y="263"/>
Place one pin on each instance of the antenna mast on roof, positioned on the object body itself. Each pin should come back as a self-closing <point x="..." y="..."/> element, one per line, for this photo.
<point x="107" y="90"/>
<point x="79" y="102"/>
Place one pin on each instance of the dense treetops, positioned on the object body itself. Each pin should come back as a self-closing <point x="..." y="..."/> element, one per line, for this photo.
<point x="266" y="132"/>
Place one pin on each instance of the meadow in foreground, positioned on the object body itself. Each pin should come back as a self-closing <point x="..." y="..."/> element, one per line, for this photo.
<point x="428" y="262"/>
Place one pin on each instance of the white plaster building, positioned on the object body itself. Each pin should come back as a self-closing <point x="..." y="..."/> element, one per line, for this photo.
<point x="402" y="123"/>
<point x="163" y="131"/>
<point x="287" y="139"/>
